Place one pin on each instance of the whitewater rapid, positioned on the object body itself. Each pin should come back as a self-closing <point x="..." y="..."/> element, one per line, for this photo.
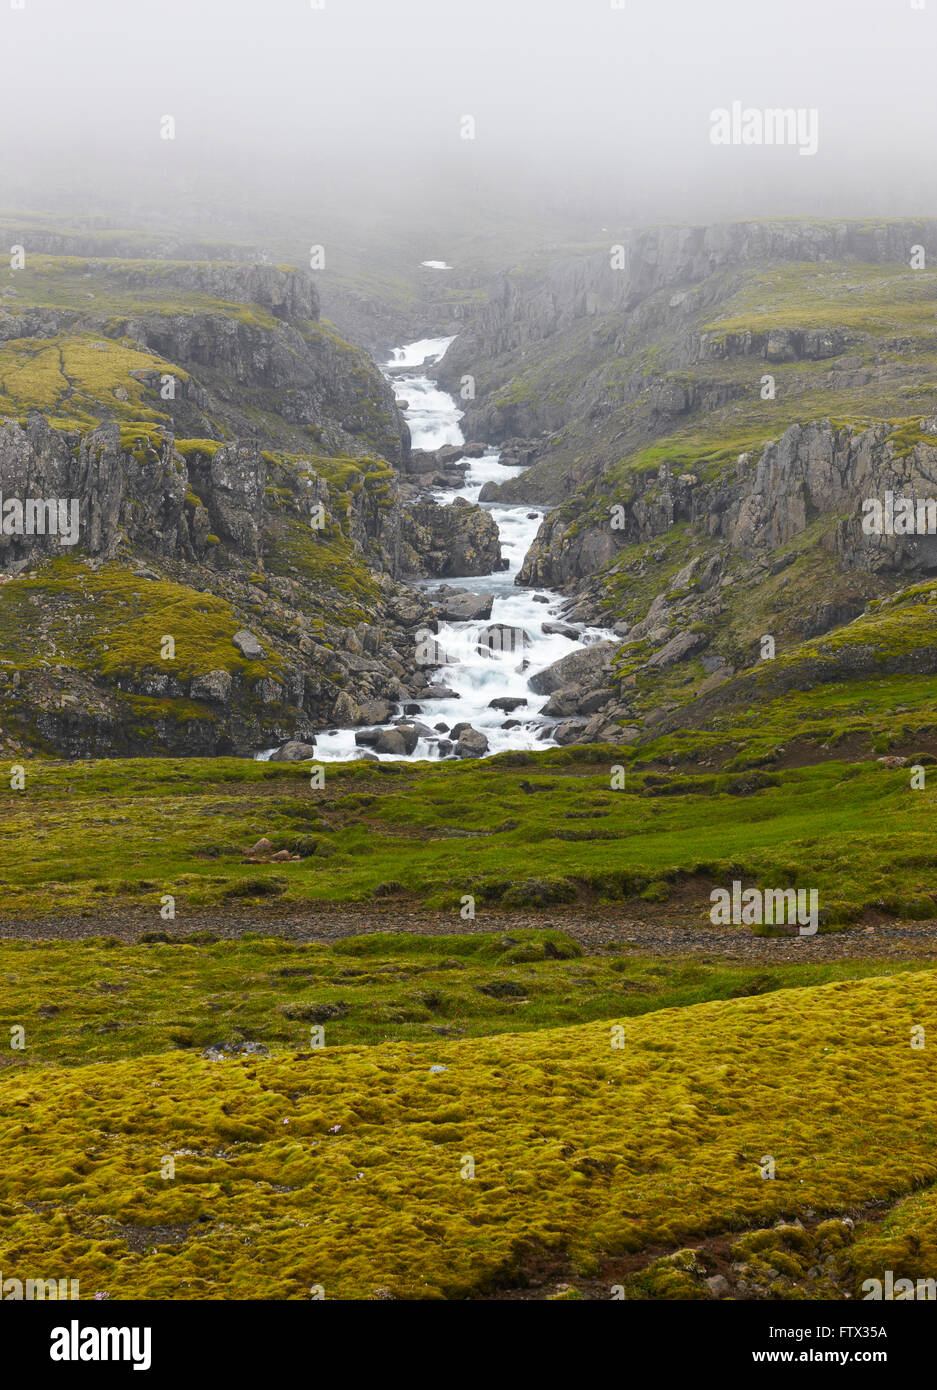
<point x="434" y="420"/>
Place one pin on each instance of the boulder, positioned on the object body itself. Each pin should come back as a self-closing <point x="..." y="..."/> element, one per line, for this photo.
<point x="677" y="649"/>
<point x="579" y="668"/>
<point x="461" y="539"/>
<point x="401" y="739"/>
<point x="465" y="607"/>
<point x="570" y="732"/>
<point x="248" y="645"/>
<point x="471" y="743"/>
<point x="508" y="703"/>
<point x="561" y="630"/>
<point x="293" y="751"/>
<point x="375" y="711"/>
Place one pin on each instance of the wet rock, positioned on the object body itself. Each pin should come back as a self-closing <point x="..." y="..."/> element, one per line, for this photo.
<point x="578" y="668"/>
<point x="470" y="742"/>
<point x="508" y="703"/>
<point x="401" y="739"/>
<point x="293" y="752"/>
<point x="561" y="630"/>
<point x="375" y="711"/>
<point x="465" y="607"/>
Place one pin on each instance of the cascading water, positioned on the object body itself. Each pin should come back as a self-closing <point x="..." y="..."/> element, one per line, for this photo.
<point x="477" y="676"/>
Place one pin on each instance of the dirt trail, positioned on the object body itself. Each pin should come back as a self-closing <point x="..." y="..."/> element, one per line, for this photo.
<point x="665" y="934"/>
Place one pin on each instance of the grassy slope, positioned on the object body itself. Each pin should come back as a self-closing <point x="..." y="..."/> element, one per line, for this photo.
<point x="857" y="832"/>
<point x="341" y="1167"/>
<point x="187" y="990"/>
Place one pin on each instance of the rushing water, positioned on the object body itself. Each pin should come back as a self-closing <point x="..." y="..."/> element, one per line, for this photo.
<point x="434" y="417"/>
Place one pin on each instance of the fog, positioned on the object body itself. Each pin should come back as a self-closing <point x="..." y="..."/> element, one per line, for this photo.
<point x="583" y="112"/>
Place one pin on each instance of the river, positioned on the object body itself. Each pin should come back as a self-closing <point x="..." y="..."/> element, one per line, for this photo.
<point x="434" y="420"/>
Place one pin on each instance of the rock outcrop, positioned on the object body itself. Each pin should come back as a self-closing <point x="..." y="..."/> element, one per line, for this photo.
<point x="457" y="540"/>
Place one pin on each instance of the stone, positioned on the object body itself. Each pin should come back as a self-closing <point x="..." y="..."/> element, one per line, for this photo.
<point x="248" y="645"/>
<point x="213" y="685"/>
<point x="677" y="649"/>
<point x="561" y="630"/>
<point x="375" y="711"/>
<point x="508" y="703"/>
<point x="471" y="743"/>
<point x="401" y="739"/>
<point x="293" y="751"/>
<point x="466" y="607"/>
<point x="575" y="668"/>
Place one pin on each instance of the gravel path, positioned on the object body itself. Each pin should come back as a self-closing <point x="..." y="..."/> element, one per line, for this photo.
<point x="593" y="928"/>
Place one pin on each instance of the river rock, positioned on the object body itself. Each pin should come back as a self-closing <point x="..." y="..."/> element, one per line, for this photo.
<point x="464" y="607"/>
<point x="579" y="668"/>
<point x="561" y="630"/>
<point x="508" y="703"/>
<point x="423" y="730"/>
<point x="471" y="743"/>
<point x="570" y="732"/>
<point x="401" y="739"/>
<point x="293" y="752"/>
<point x="439" y="692"/>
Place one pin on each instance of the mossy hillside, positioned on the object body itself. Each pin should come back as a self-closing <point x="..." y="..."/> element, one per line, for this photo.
<point x="776" y="597"/>
<point x="856" y="832"/>
<point x="189" y="990"/>
<point x="342" y="1167"/>
<point x="111" y="621"/>
<point x="331" y="561"/>
<point x="895" y="636"/>
<point x="892" y="715"/>
<point x="121" y="289"/>
<point x="76" y="381"/>
<point x="868" y="299"/>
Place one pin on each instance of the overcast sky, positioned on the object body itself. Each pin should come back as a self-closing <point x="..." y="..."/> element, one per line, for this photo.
<point x="364" y="98"/>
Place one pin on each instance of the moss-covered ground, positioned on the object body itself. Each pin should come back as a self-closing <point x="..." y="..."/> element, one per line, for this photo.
<point x="410" y="1170"/>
